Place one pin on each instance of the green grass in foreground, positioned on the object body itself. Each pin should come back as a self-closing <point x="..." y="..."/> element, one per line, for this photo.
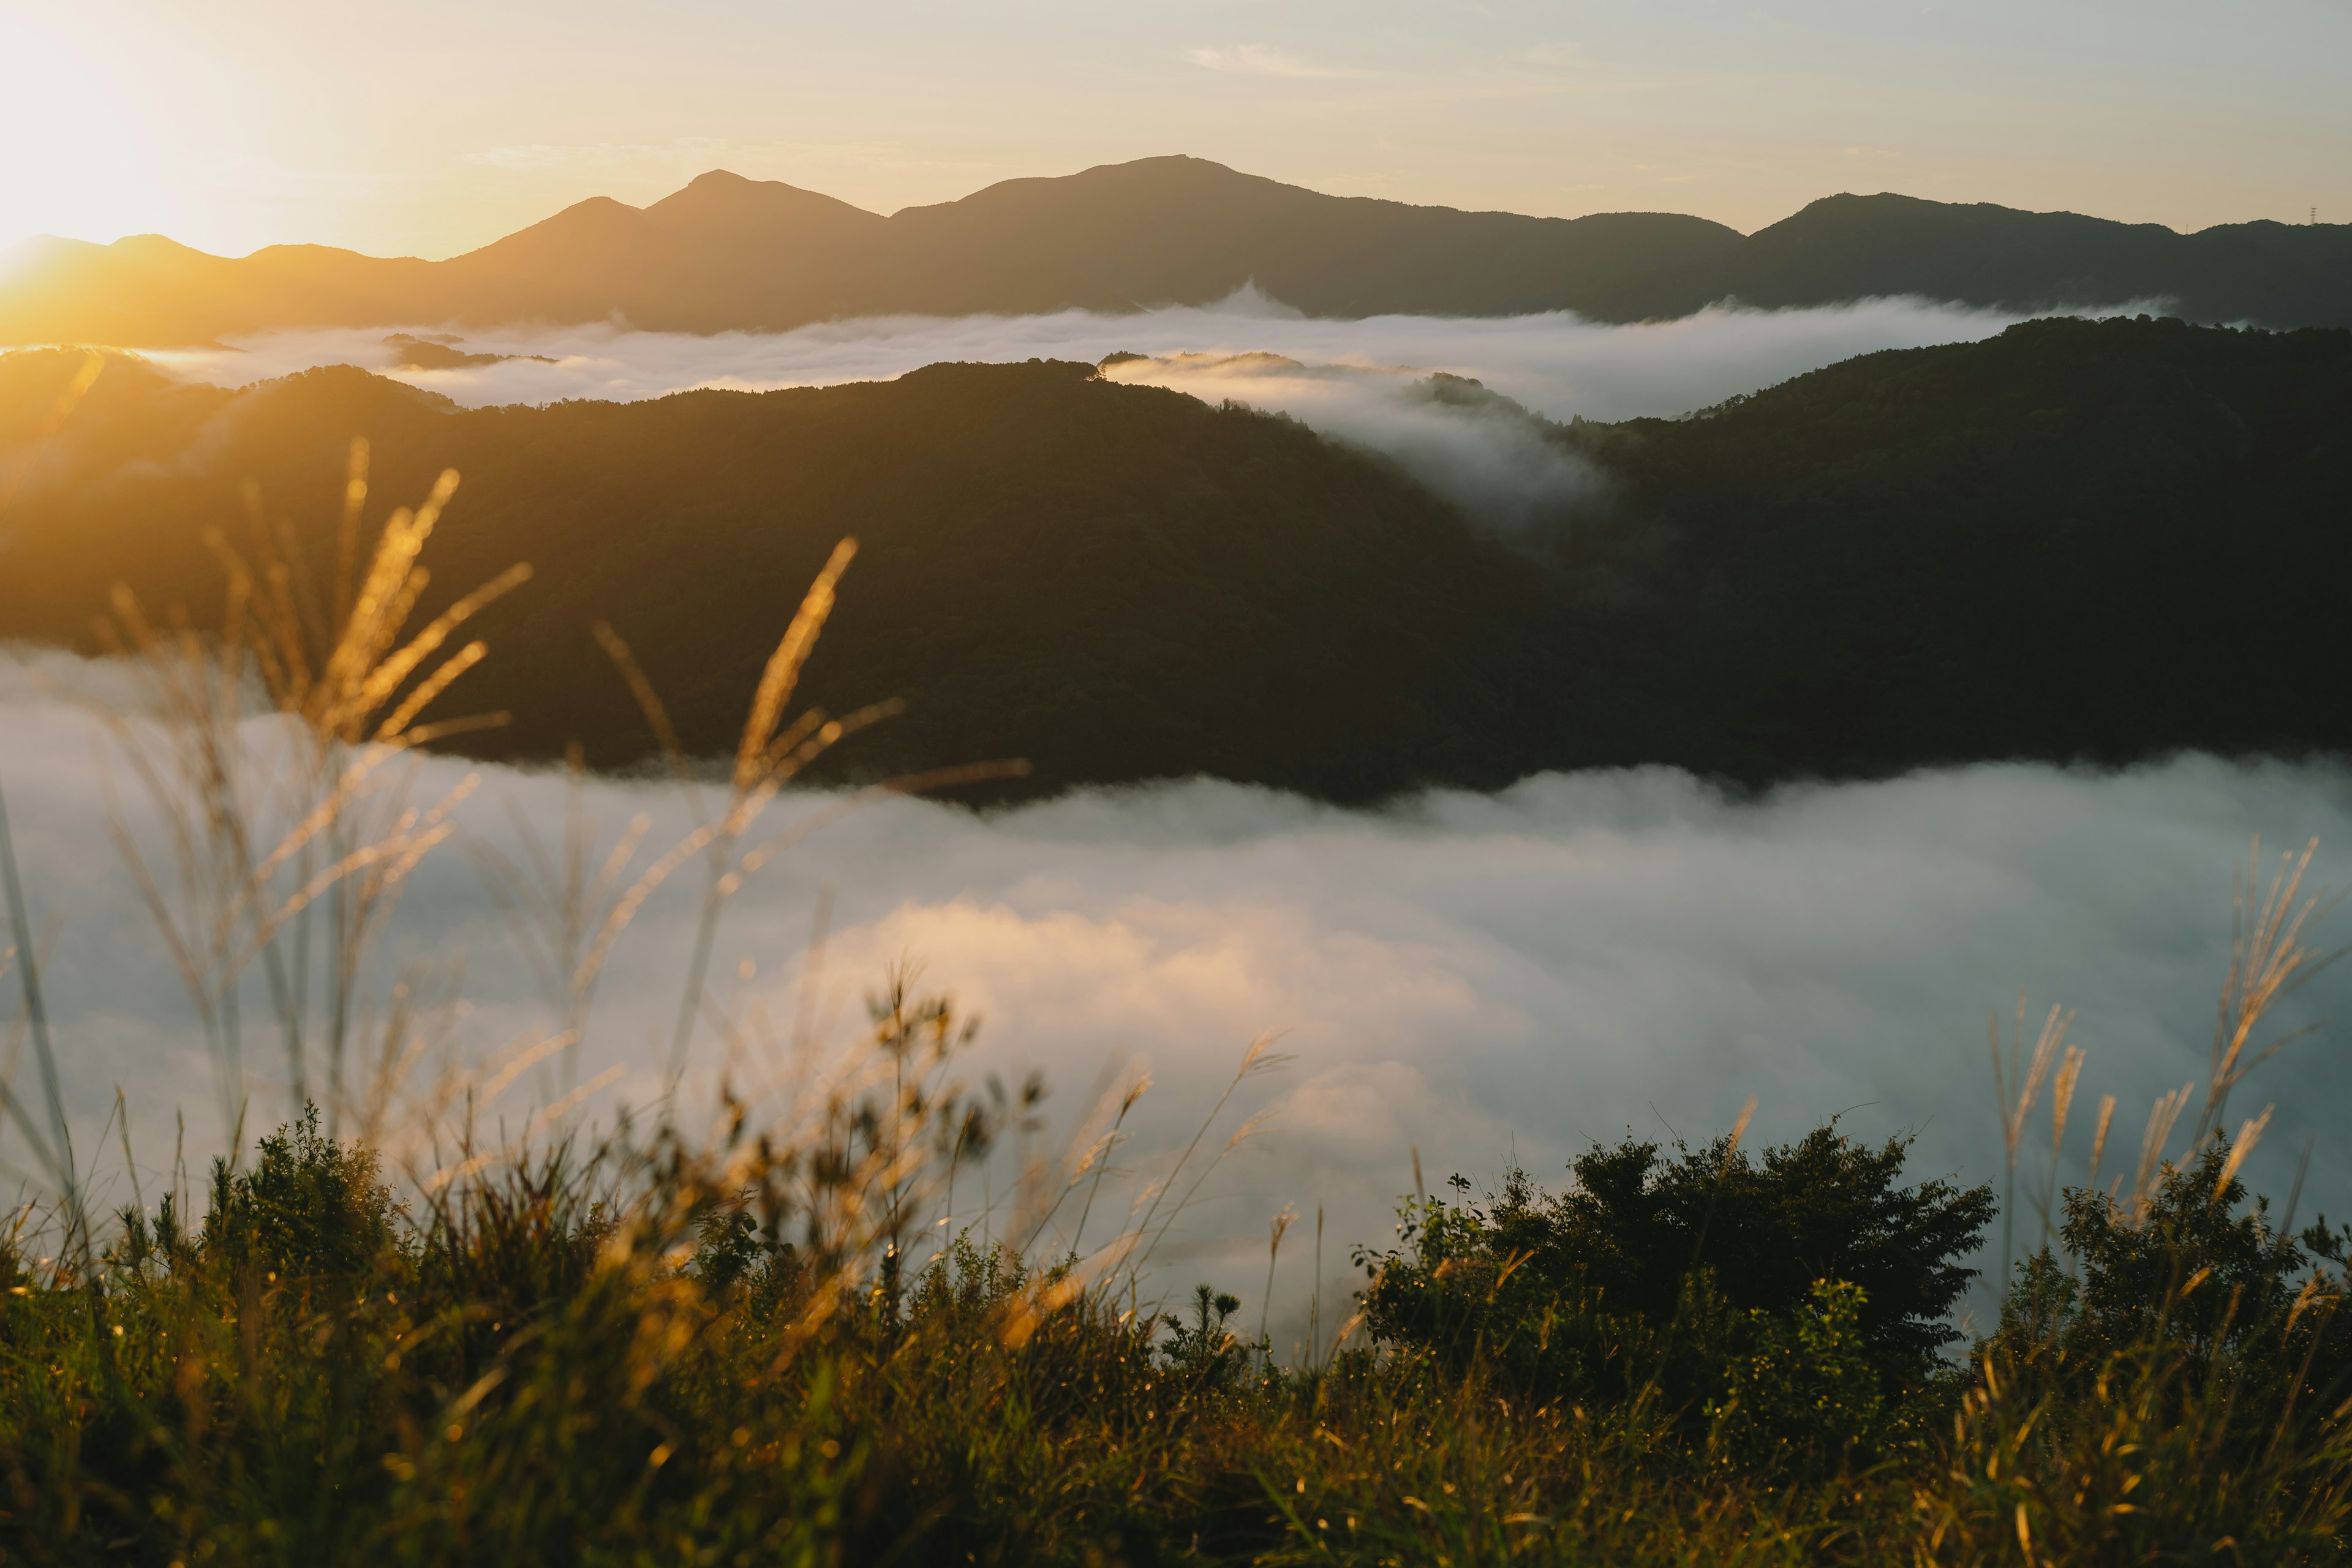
<point x="622" y="1360"/>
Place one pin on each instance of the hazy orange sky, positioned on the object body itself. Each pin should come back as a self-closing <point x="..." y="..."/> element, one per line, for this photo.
<point x="430" y="127"/>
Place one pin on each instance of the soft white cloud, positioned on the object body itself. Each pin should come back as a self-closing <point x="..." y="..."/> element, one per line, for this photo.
<point x="1481" y="977"/>
<point x="536" y="157"/>
<point x="1257" y="59"/>
<point x="1356" y="380"/>
<point x="1487" y="456"/>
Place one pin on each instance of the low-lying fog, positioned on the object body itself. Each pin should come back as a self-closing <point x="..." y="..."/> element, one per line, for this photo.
<point x="1487" y="979"/>
<point x="1557" y="363"/>
<point x="1361" y="381"/>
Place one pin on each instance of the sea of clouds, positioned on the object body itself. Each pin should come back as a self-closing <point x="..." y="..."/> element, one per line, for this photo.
<point x="1483" y="979"/>
<point x="1361" y="381"/>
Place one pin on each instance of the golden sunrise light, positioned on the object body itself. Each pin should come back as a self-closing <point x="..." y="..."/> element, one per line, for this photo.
<point x="1469" y="781"/>
<point x="90" y="155"/>
<point x="432" y="128"/>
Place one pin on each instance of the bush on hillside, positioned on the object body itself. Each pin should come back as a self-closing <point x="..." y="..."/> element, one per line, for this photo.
<point x="1658" y="1274"/>
<point x="2198" y="1289"/>
<point x="1805" y="1401"/>
<point x="309" y="1206"/>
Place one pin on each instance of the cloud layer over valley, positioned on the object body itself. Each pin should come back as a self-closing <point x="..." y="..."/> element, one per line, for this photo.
<point x="1482" y="978"/>
<point x="1360" y="381"/>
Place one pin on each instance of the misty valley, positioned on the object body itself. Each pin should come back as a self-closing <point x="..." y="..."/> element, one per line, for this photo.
<point x="1155" y="867"/>
<point x="2076" y="541"/>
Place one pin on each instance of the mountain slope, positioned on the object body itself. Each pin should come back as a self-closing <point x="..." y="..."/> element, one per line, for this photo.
<point x="1847" y="246"/>
<point x="726" y="254"/>
<point x="1115" y="581"/>
<point x="2081" y="540"/>
<point x="1186" y="231"/>
<point x="730" y="254"/>
<point x="723" y="253"/>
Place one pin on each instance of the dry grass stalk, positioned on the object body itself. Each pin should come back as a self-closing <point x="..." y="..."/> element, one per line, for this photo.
<point x="1258" y="1059"/>
<point x="2162" y="1118"/>
<point x="1738" y="1131"/>
<point x="2249" y="1134"/>
<point x="770" y="754"/>
<point x="53" y="1145"/>
<point x="2062" y="1104"/>
<point x="2017" y="1084"/>
<point x="259" y="837"/>
<point x="556" y="900"/>
<point x="2099" y="1136"/>
<point x="1138" y="1087"/>
<point x="2268" y="960"/>
<point x="1276" y="1228"/>
<point x="295" y="817"/>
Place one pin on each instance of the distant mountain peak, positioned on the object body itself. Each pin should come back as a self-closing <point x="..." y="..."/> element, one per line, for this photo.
<point x="723" y="197"/>
<point x="729" y="253"/>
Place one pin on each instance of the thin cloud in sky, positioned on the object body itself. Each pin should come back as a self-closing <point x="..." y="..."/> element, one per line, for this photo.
<point x="533" y="157"/>
<point x="1257" y="59"/>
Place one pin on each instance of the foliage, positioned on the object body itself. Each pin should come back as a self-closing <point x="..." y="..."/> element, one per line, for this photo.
<point x="526" y="1376"/>
<point x="1805" y="1400"/>
<point x="1652" y="1271"/>
<point x="307" y="1207"/>
<point x="1205" y="1351"/>
<point x="1051" y="565"/>
<point x="2171" y="1389"/>
<point x="2194" y="1325"/>
<point x="746" y="1349"/>
<point x="2103" y="540"/>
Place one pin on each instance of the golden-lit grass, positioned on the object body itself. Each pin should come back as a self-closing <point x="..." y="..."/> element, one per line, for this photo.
<point x="752" y="1341"/>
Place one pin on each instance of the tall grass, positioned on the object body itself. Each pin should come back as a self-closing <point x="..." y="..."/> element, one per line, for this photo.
<point x="388" y="1334"/>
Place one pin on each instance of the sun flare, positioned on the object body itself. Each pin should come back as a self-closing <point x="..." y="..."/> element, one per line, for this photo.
<point x="95" y="161"/>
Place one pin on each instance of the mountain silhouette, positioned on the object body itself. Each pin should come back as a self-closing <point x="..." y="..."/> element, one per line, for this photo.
<point x="2095" y="541"/>
<point x="731" y="253"/>
<point x="1849" y="246"/>
<point x="726" y="254"/>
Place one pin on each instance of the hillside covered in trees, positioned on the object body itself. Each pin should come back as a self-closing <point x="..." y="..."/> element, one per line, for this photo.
<point x="2078" y="539"/>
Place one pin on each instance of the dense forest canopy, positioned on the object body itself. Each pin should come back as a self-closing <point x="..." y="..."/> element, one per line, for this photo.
<point x="2078" y="539"/>
<point x="730" y="254"/>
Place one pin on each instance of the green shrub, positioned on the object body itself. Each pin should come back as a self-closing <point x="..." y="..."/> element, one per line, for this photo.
<point x="1205" y="1351"/>
<point x="1652" y="1272"/>
<point x="309" y="1206"/>
<point x="1805" y="1401"/>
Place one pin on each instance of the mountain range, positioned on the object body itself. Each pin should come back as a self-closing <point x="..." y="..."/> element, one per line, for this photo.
<point x="2092" y="540"/>
<point x="730" y="254"/>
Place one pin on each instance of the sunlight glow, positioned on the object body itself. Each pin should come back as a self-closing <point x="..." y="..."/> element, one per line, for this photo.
<point x="89" y="157"/>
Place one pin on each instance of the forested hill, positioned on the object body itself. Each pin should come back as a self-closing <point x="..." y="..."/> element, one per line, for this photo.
<point x="726" y="254"/>
<point x="2099" y="540"/>
<point x="2077" y="539"/>
<point x="1116" y="583"/>
<point x="1851" y="247"/>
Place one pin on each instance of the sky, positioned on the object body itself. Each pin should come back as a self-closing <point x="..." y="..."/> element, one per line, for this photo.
<point x="430" y="127"/>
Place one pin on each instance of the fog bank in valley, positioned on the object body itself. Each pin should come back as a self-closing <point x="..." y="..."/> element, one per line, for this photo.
<point x="1360" y="381"/>
<point x="1557" y="363"/>
<point x="1483" y="978"/>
